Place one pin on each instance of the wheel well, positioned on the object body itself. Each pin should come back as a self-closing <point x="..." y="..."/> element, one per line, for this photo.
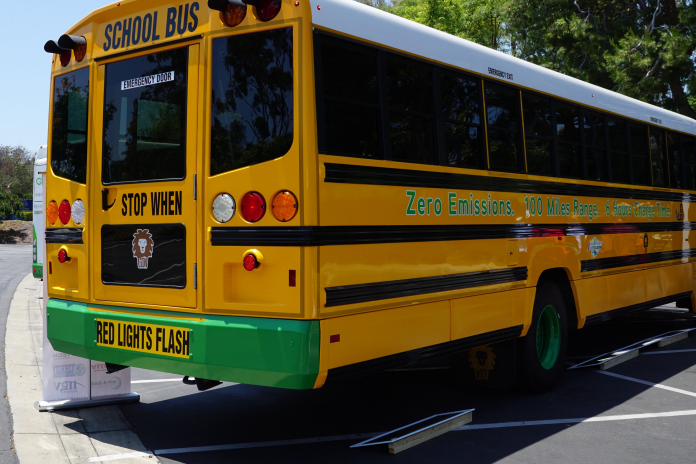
<point x="560" y="277"/>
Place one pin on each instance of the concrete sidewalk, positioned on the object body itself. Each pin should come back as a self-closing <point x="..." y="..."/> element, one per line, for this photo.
<point x="70" y="436"/>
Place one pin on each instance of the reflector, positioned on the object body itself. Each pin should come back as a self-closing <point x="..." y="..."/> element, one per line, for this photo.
<point x="250" y="262"/>
<point x="62" y="256"/>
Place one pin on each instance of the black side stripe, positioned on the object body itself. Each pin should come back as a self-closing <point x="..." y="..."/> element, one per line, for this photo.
<point x="352" y="174"/>
<point x="360" y="293"/>
<point x="613" y="314"/>
<point x="409" y="357"/>
<point x="73" y="236"/>
<point x="356" y="235"/>
<point x="632" y="260"/>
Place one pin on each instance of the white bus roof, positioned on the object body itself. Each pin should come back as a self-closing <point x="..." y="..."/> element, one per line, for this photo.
<point x="370" y="24"/>
<point x="41" y="156"/>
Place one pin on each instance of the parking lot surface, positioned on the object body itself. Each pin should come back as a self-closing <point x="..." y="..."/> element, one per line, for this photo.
<point x="631" y="419"/>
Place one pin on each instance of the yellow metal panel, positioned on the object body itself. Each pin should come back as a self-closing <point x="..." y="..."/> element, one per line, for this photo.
<point x="382" y="333"/>
<point x="669" y="280"/>
<point x="626" y="289"/>
<point x="69" y="280"/>
<point x="482" y="313"/>
<point x="591" y="296"/>
<point x="264" y="291"/>
<point x="512" y="252"/>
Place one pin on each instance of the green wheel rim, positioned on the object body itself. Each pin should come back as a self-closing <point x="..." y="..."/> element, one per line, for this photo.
<point x="548" y="337"/>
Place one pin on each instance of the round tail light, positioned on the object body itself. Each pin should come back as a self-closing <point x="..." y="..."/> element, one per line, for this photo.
<point x="253" y="206"/>
<point x="62" y="256"/>
<point x="233" y="14"/>
<point x="250" y="262"/>
<point x="268" y="9"/>
<point x="284" y="206"/>
<point x="65" y="56"/>
<point x="52" y="212"/>
<point x="224" y="207"/>
<point x="78" y="211"/>
<point x="64" y="212"/>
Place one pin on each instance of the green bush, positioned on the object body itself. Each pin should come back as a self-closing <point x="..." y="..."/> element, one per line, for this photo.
<point x="9" y="204"/>
<point x="25" y="215"/>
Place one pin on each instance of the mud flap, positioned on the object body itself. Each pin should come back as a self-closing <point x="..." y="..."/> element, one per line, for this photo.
<point x="487" y="366"/>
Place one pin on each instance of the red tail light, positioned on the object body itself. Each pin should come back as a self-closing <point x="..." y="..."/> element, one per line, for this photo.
<point x="268" y="9"/>
<point x="62" y="256"/>
<point x="250" y="262"/>
<point x="64" y="212"/>
<point x="253" y="206"/>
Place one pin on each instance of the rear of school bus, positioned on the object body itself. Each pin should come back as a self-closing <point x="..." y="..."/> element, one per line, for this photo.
<point x="178" y="146"/>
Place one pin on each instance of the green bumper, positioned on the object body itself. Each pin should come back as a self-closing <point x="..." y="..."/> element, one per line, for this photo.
<point x="259" y="351"/>
<point x="37" y="270"/>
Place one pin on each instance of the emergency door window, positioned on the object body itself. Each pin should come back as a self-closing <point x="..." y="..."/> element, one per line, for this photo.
<point x="145" y="118"/>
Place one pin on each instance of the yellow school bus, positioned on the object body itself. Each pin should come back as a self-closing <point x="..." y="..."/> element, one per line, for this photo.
<point x="294" y="192"/>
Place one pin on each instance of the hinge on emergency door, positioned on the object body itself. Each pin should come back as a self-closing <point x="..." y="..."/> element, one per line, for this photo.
<point x="195" y="177"/>
<point x="195" y="276"/>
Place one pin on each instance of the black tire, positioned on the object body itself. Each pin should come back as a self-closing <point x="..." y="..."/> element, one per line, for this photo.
<point x="533" y="375"/>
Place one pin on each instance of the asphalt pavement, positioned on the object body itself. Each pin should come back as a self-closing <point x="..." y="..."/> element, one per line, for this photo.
<point x="15" y="263"/>
<point x="641" y="411"/>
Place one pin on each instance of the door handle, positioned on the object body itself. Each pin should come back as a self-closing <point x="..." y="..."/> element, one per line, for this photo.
<point x="105" y="200"/>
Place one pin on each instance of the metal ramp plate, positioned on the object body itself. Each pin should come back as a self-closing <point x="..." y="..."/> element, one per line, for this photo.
<point x="611" y="359"/>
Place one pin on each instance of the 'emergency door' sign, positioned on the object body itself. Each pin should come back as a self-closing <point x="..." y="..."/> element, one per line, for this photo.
<point x="147" y="80"/>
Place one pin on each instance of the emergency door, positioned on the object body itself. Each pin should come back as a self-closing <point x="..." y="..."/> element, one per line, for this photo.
<point x="144" y="205"/>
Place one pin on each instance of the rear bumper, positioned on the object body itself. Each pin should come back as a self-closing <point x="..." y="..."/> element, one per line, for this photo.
<point x="259" y="351"/>
<point x="37" y="270"/>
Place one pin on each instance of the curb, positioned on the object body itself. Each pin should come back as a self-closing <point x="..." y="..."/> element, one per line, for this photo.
<point x="66" y="436"/>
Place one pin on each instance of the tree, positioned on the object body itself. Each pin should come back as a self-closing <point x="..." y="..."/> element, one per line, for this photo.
<point x="16" y="171"/>
<point x="480" y="21"/>
<point x="643" y="48"/>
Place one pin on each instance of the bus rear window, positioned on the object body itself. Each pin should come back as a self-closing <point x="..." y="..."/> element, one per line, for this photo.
<point x="252" y="92"/>
<point x="145" y="118"/>
<point x="69" y="131"/>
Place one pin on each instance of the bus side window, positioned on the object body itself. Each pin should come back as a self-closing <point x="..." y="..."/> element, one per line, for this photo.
<point x="502" y="113"/>
<point x="568" y="133"/>
<point x="689" y="159"/>
<point x="461" y="121"/>
<point x="618" y="147"/>
<point x="658" y="158"/>
<point x="538" y="134"/>
<point x="595" y="146"/>
<point x="411" y="113"/>
<point x="347" y="83"/>
<point x="640" y="157"/>
<point x="674" y="156"/>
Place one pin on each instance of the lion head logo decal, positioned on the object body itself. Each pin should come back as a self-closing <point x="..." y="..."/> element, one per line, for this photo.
<point x="142" y="247"/>
<point x="482" y="361"/>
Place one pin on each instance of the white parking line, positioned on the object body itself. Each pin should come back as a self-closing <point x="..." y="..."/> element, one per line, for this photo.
<point x="357" y="436"/>
<point x="577" y="420"/>
<point x="668" y="352"/>
<point x="645" y="382"/>
<point x="157" y="380"/>
<point x="117" y="457"/>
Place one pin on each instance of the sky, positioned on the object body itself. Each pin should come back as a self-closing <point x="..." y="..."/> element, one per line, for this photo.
<point x="25" y="69"/>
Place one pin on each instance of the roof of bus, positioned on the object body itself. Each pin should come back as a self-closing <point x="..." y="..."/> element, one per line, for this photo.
<point x="361" y="21"/>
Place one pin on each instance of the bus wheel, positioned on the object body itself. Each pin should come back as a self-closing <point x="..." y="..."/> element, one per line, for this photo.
<point x="541" y="353"/>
